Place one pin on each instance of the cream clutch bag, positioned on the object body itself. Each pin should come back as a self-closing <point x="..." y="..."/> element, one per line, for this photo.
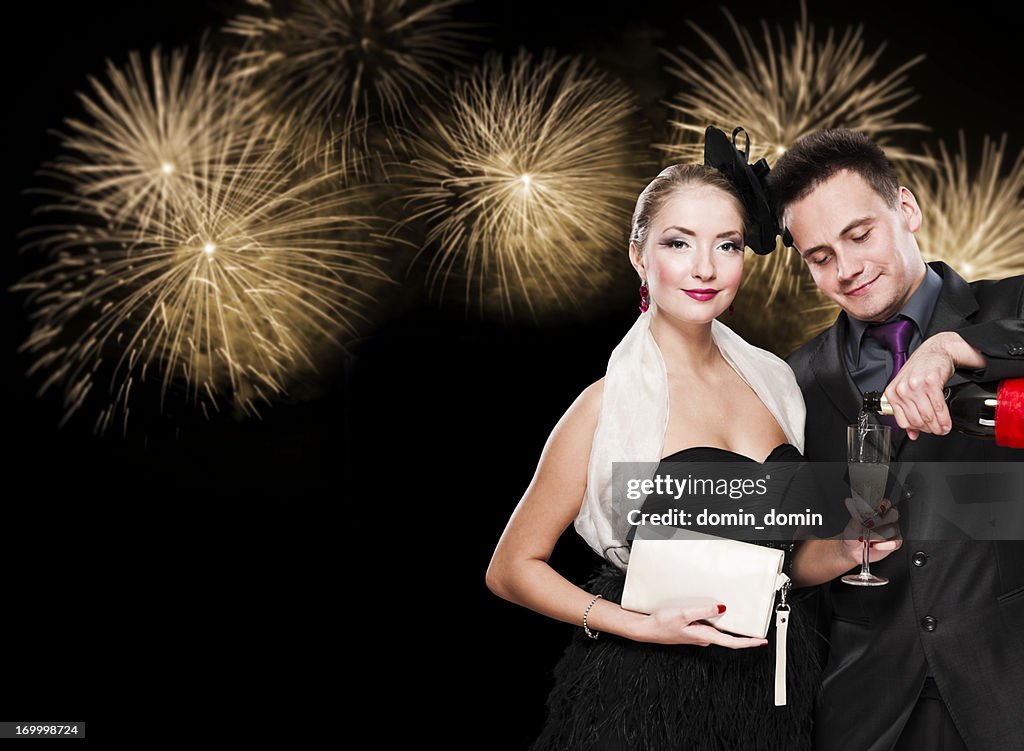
<point x="694" y="569"/>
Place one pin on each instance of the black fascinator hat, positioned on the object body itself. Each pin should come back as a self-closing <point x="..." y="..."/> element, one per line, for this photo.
<point x="751" y="183"/>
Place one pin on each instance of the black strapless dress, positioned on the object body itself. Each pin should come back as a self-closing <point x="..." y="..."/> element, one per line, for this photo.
<point x="617" y="694"/>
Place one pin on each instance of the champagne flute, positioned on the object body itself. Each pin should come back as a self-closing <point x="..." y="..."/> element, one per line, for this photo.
<point x="868" y="450"/>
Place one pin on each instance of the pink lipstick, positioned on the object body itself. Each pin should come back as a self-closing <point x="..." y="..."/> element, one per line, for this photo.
<point x="701" y="294"/>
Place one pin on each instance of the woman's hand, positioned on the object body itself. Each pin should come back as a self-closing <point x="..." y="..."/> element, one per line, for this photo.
<point x="682" y="626"/>
<point x="884" y="528"/>
<point x="820" y="560"/>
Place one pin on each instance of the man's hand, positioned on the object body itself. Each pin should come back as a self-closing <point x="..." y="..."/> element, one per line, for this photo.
<point x="916" y="393"/>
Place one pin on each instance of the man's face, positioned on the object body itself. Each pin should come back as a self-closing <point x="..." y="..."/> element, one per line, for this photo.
<point x="860" y="250"/>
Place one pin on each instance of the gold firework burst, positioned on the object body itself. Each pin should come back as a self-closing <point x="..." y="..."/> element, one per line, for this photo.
<point x="222" y="284"/>
<point x="973" y="220"/>
<point x="341" y="64"/>
<point x="781" y="90"/>
<point x="148" y="137"/>
<point x="526" y="185"/>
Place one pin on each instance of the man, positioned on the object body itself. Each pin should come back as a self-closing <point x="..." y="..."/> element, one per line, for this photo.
<point x="935" y="659"/>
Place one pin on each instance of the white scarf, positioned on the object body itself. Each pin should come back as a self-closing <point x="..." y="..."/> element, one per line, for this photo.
<point x="634" y="417"/>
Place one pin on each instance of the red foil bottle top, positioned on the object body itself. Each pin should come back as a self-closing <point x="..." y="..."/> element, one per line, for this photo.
<point x="1010" y="413"/>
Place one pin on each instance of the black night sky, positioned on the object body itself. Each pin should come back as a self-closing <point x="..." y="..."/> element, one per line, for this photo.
<point x="230" y="555"/>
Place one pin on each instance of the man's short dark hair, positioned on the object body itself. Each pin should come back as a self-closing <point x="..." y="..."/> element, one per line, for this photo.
<point x="817" y="157"/>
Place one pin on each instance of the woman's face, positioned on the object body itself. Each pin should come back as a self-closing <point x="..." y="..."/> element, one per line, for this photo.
<point x="693" y="259"/>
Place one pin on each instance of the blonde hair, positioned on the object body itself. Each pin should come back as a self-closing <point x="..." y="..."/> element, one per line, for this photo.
<point x="668" y="181"/>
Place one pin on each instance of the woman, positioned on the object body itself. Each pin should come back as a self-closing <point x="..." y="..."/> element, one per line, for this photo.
<point x="673" y="390"/>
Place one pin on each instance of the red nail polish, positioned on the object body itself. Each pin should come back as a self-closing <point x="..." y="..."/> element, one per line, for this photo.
<point x="860" y="539"/>
<point x="869" y="523"/>
<point x="881" y="508"/>
<point x="721" y="609"/>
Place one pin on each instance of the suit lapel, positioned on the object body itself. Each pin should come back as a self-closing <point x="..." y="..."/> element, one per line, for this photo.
<point x="828" y="364"/>
<point x="956" y="302"/>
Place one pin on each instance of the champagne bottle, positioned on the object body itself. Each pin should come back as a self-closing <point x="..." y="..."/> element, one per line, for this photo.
<point x="994" y="410"/>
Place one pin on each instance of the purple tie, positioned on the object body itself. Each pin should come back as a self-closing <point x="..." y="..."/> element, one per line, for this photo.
<point x="895" y="337"/>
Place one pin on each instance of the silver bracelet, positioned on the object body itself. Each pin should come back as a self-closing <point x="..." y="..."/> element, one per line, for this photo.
<point x="591" y="634"/>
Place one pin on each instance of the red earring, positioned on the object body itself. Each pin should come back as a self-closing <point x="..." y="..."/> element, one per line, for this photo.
<point x="645" y="298"/>
<point x="731" y="309"/>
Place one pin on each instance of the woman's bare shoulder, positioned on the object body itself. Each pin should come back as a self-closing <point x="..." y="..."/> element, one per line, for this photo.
<point x="588" y="403"/>
<point x="580" y="421"/>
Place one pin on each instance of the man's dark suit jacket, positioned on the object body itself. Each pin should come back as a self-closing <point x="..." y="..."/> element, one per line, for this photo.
<point x="969" y="594"/>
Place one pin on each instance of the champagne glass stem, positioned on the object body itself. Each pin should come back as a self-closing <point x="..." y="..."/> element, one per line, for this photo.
<point x="865" y="566"/>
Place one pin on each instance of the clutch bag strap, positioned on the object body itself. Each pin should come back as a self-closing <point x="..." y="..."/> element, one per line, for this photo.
<point x="782" y="615"/>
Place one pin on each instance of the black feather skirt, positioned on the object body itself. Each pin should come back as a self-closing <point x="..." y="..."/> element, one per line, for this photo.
<point x="615" y="693"/>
